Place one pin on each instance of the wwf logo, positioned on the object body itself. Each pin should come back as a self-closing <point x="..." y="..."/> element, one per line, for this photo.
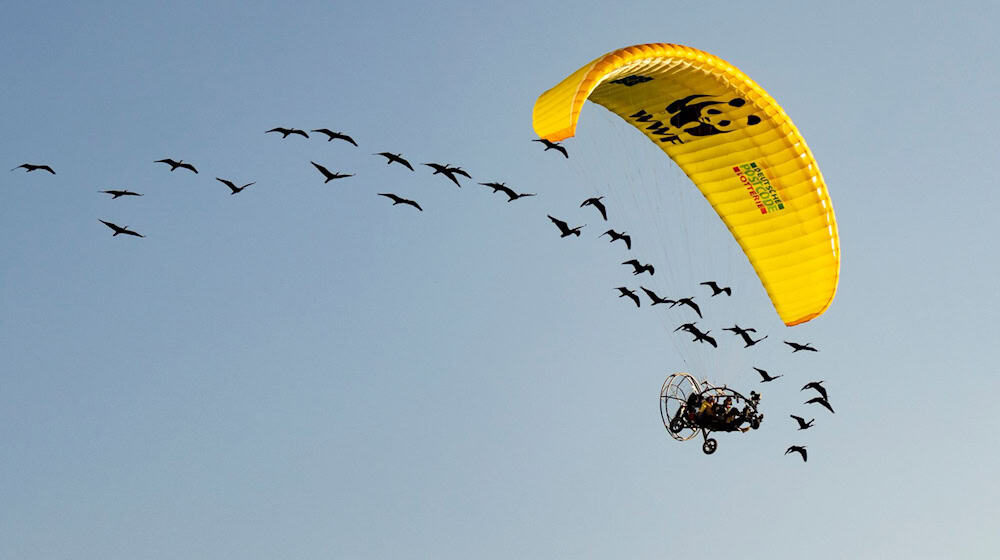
<point x="694" y="115"/>
<point x="631" y="80"/>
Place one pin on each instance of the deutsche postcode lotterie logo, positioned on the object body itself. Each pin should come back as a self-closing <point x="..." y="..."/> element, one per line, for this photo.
<point x="759" y="187"/>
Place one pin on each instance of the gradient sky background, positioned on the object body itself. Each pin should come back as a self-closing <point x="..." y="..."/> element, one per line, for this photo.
<point x="305" y="371"/>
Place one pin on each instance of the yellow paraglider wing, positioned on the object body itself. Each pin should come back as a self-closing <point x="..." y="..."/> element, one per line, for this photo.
<point x="738" y="147"/>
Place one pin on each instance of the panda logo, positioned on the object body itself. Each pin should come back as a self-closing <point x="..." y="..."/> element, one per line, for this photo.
<point x="698" y="116"/>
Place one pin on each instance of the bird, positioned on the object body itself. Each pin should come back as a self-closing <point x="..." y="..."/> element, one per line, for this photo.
<point x="398" y="158"/>
<point x="116" y="193"/>
<point x="596" y="203"/>
<point x="119" y="229"/>
<point x="816" y="385"/>
<point x="803" y="425"/>
<point x="765" y="377"/>
<point x="286" y="131"/>
<point x="448" y="171"/>
<point x="744" y="334"/>
<point x="820" y="400"/>
<point x="232" y="186"/>
<point x="552" y="146"/>
<point x="800" y="449"/>
<point x="689" y="327"/>
<point x="29" y="167"/>
<point x="639" y="268"/>
<point x="615" y="236"/>
<point x="400" y="200"/>
<point x="511" y="195"/>
<point x="655" y="298"/>
<point x="703" y="337"/>
<point x="335" y="135"/>
<point x="330" y="176"/>
<point x="630" y="293"/>
<point x="796" y="347"/>
<point x="689" y="301"/>
<point x="175" y="164"/>
<point x="565" y="230"/>
<point x="716" y="290"/>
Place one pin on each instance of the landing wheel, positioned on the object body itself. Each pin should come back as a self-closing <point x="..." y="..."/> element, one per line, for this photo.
<point x="673" y="399"/>
<point x="709" y="446"/>
<point x="676" y="425"/>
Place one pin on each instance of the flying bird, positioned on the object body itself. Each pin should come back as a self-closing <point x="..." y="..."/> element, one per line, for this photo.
<point x="286" y="131"/>
<point x="29" y="167"/>
<point x="552" y="146"/>
<point x="630" y="293"/>
<point x="716" y="290"/>
<point x="397" y="158"/>
<point x="703" y="337"/>
<point x="448" y="171"/>
<point x="655" y="298"/>
<point x="119" y="229"/>
<point x="117" y="193"/>
<point x="596" y="203"/>
<point x="816" y="385"/>
<point x="744" y="333"/>
<point x="800" y="449"/>
<point x="615" y="236"/>
<point x="330" y="176"/>
<point x="232" y="186"/>
<point x="331" y="135"/>
<point x="400" y="200"/>
<point x="765" y="377"/>
<point x="639" y="268"/>
<point x="796" y="347"/>
<point x="511" y="195"/>
<point x="820" y="400"/>
<point x="688" y="301"/>
<point x="689" y="327"/>
<point x="175" y="164"/>
<point x="565" y="230"/>
<point x="803" y="425"/>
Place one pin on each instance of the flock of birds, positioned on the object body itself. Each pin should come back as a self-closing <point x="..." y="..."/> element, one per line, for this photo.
<point x="453" y="174"/>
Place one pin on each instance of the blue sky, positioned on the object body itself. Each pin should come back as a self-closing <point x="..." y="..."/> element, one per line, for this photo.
<point x="305" y="371"/>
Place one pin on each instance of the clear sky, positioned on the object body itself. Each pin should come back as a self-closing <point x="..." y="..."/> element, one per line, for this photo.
<point x="306" y="371"/>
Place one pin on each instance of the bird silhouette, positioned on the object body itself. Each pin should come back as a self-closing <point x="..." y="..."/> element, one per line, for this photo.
<point x="820" y="400"/>
<point x="703" y="337"/>
<point x="552" y="146"/>
<point x="800" y="449"/>
<point x="400" y="200"/>
<point x="286" y="131"/>
<point x="803" y="425"/>
<point x="716" y="290"/>
<point x="689" y="327"/>
<point x="796" y="346"/>
<point x="816" y="385"/>
<point x="615" y="236"/>
<point x="565" y="230"/>
<point x="744" y="333"/>
<point x="639" y="268"/>
<point x="448" y="171"/>
<point x="511" y="195"/>
<point x="398" y="158"/>
<point x="330" y="176"/>
<point x="175" y="164"/>
<point x="688" y="301"/>
<point x="630" y="293"/>
<point x="765" y="377"/>
<point x="596" y="203"/>
<point x="232" y="186"/>
<point x="331" y="135"/>
<point x="29" y="167"/>
<point x="117" y="193"/>
<point x="119" y="229"/>
<point x="655" y="298"/>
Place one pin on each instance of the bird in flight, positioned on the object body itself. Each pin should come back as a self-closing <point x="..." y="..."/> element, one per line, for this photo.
<point x="331" y="135"/>
<point x="119" y="229"/>
<point x="116" y="193"/>
<point x="816" y="385"/>
<point x="175" y="164"/>
<point x="286" y="131"/>
<point x="716" y="290"/>
<point x="655" y="298"/>
<point x="232" y="186"/>
<point x="639" y="268"/>
<point x="615" y="236"/>
<point x="630" y="293"/>
<point x="448" y="171"/>
<point x="400" y="200"/>
<point x="803" y="425"/>
<point x="398" y="158"/>
<point x="744" y="333"/>
<point x="703" y="337"/>
<point x="822" y="401"/>
<point x="511" y="195"/>
<point x="796" y="346"/>
<point x="688" y="301"/>
<point x="765" y="377"/>
<point x="329" y="175"/>
<point x="800" y="449"/>
<point x="29" y="167"/>
<point x="565" y="230"/>
<point x="552" y="146"/>
<point x="596" y="203"/>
